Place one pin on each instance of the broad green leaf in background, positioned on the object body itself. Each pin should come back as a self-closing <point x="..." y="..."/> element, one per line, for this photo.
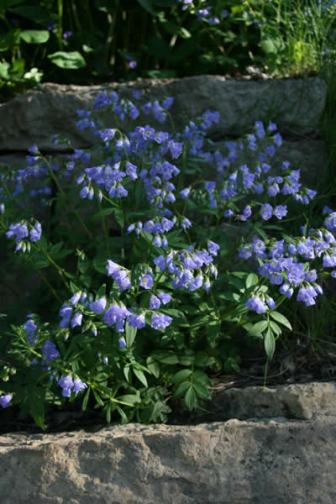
<point x="35" y="36"/>
<point x="34" y="13"/>
<point x="4" y="67"/>
<point x="9" y="40"/>
<point x="72" y="60"/>
<point x="147" y="5"/>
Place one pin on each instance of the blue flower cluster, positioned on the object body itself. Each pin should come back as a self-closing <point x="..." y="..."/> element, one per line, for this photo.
<point x="240" y="191"/>
<point x="70" y="385"/>
<point x="190" y="269"/>
<point x="293" y="265"/>
<point x="150" y="183"/>
<point x="113" y="313"/>
<point x="24" y="234"/>
<point x="205" y="12"/>
<point x="49" y="350"/>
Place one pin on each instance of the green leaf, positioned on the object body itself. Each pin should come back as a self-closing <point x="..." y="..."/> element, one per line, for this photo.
<point x="9" y="40"/>
<point x="129" y="399"/>
<point x="166" y="357"/>
<point x="268" y="46"/>
<point x="67" y="60"/>
<point x="35" y="36"/>
<point x="201" y="390"/>
<point x="86" y="399"/>
<point x="275" y="328"/>
<point x="124" y="418"/>
<point x="4" y="67"/>
<point x="190" y="398"/>
<point x="126" y="371"/>
<point x="184" y="33"/>
<point x="251" y="280"/>
<point x="98" y="398"/>
<point x="181" y="389"/>
<point x="258" y="328"/>
<point x="186" y="360"/>
<point x="130" y="334"/>
<point x="37" y="413"/>
<point x="269" y="344"/>
<point x="37" y="14"/>
<point x="281" y="319"/>
<point x="147" y="5"/>
<point x="153" y="367"/>
<point x="181" y="376"/>
<point x="108" y="413"/>
<point x="201" y="378"/>
<point x="141" y="376"/>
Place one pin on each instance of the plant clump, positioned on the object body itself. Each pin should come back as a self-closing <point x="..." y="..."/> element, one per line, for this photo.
<point x="153" y="252"/>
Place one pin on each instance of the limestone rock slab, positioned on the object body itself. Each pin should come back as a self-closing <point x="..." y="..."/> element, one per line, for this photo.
<point x="294" y="401"/>
<point x="235" y="462"/>
<point x="273" y="461"/>
<point x="295" y="104"/>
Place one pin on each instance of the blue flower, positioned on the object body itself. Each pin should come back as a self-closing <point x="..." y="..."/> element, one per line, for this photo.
<point x="119" y="274"/>
<point x="165" y="298"/>
<point x="77" y="320"/>
<point x="74" y="300"/>
<point x="266" y="211"/>
<point x="257" y="305"/>
<point x="66" y="383"/>
<point x="78" y="386"/>
<point x="31" y="329"/>
<point x="136" y="320"/>
<point x="98" y="306"/>
<point x="307" y="295"/>
<point x="159" y="321"/>
<point x="35" y="232"/>
<point x="175" y="148"/>
<point x="49" y="351"/>
<point x="19" y="231"/>
<point x="330" y="222"/>
<point x="280" y="211"/>
<point x="122" y="343"/>
<point x="184" y="193"/>
<point x="147" y="281"/>
<point x="154" y="302"/>
<point x="116" y="315"/>
<point x="5" y="400"/>
<point x="286" y="290"/>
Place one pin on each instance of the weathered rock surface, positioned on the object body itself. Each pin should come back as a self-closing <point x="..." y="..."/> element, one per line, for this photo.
<point x="275" y="461"/>
<point x="295" y="104"/>
<point x="308" y="154"/>
<point x="295" y="401"/>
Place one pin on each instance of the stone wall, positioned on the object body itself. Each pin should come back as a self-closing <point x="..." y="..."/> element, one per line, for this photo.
<point x="275" y="460"/>
<point x="296" y="105"/>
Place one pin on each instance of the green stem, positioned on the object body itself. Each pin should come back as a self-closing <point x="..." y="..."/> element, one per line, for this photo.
<point x="51" y="261"/>
<point x="105" y="230"/>
<point x="50" y="287"/>
<point x="60" y="188"/>
<point x="265" y="373"/>
<point x="60" y="23"/>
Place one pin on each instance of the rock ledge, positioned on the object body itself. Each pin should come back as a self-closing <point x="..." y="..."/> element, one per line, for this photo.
<point x="263" y="461"/>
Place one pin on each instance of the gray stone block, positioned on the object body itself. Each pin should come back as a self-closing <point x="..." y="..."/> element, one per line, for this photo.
<point x="273" y="461"/>
<point x="295" y="104"/>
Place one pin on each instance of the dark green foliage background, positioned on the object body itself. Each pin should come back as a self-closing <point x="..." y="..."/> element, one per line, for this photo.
<point x="282" y="37"/>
